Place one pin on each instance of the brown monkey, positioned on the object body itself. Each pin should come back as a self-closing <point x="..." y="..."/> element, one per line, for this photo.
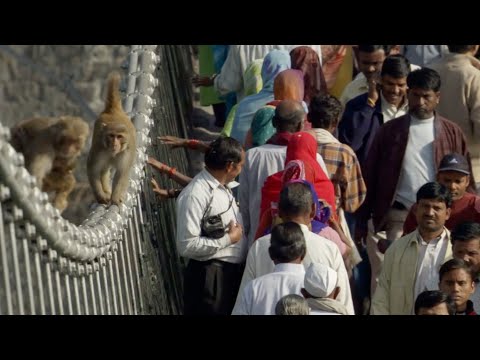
<point x="60" y="182"/>
<point x="48" y="141"/>
<point x="113" y="147"/>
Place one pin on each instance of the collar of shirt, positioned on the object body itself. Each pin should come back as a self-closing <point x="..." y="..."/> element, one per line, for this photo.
<point x="213" y="182"/>
<point x="386" y="106"/>
<point x="433" y="242"/>
<point x="289" y="267"/>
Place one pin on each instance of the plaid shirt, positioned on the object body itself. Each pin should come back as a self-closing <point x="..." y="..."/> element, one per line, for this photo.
<point x="345" y="173"/>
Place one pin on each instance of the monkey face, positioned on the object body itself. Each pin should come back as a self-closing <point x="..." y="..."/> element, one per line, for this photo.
<point x="68" y="147"/>
<point x="115" y="142"/>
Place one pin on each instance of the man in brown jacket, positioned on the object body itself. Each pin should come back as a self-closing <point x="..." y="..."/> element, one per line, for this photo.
<point x="405" y="154"/>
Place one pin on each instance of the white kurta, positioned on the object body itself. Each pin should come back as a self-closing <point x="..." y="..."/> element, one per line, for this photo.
<point x="260" y="296"/>
<point x="319" y="250"/>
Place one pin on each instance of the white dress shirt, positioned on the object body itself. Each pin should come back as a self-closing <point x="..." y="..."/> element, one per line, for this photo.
<point x="260" y="163"/>
<point x="431" y="256"/>
<point x="319" y="250"/>
<point x="260" y="296"/>
<point x="191" y="205"/>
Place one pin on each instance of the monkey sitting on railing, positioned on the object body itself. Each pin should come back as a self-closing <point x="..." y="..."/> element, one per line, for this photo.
<point x="51" y="146"/>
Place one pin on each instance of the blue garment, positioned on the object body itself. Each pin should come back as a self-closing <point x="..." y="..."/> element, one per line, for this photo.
<point x="359" y="125"/>
<point x="275" y="62"/>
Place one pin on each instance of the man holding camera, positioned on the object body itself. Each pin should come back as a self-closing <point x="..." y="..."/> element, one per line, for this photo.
<point x="210" y="234"/>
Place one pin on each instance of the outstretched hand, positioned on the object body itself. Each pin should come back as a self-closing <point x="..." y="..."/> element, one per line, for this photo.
<point x="173" y="141"/>
<point x="158" y="165"/>
<point x="162" y="193"/>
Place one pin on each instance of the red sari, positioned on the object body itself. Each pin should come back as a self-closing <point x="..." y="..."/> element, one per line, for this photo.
<point x="302" y="146"/>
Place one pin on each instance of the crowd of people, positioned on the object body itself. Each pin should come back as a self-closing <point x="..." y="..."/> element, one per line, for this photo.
<point x="343" y="182"/>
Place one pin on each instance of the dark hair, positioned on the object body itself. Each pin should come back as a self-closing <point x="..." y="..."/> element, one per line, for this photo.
<point x="424" y="78"/>
<point x="324" y="111"/>
<point x="288" y="116"/>
<point x="396" y="66"/>
<point x="223" y="151"/>
<point x="295" y="199"/>
<point x="435" y="190"/>
<point x="465" y="232"/>
<point x="455" y="264"/>
<point x="287" y="243"/>
<point x="429" y="299"/>
<point x="460" y="49"/>
<point x="373" y="48"/>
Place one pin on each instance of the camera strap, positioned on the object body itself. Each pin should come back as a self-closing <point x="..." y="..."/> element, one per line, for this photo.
<point x="209" y="206"/>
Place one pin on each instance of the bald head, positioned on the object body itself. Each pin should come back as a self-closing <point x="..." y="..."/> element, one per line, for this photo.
<point x="289" y="115"/>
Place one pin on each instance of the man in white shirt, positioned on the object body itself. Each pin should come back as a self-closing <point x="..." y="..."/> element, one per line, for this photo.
<point x="296" y="204"/>
<point x="287" y="250"/>
<point x="209" y="232"/>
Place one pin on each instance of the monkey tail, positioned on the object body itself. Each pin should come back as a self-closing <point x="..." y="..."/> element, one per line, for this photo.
<point x="113" y="102"/>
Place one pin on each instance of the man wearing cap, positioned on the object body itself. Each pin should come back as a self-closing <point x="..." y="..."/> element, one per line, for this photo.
<point x="454" y="174"/>
<point x="404" y="155"/>
<point x="320" y="290"/>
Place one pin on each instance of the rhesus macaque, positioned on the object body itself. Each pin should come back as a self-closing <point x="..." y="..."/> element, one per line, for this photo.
<point x="51" y="144"/>
<point x="60" y="182"/>
<point x="113" y="147"/>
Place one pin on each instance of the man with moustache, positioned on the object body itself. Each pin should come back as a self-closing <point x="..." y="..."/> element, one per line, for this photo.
<point x="404" y="155"/>
<point x="412" y="263"/>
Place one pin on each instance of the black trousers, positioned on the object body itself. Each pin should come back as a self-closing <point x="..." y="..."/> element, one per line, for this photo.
<point x="211" y="287"/>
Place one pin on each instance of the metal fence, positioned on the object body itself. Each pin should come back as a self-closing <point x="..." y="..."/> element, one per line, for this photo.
<point x="121" y="260"/>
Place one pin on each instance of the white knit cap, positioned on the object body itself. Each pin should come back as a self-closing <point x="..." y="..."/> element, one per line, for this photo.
<point x="320" y="280"/>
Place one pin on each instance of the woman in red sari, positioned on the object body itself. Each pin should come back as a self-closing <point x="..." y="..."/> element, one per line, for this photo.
<point x="302" y="152"/>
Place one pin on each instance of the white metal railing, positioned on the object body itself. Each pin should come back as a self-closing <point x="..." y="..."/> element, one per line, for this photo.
<point x="50" y="266"/>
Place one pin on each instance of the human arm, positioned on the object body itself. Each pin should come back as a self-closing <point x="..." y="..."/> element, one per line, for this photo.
<point x="176" y="142"/>
<point x="189" y="210"/>
<point x="172" y="172"/>
<point x="381" y="298"/>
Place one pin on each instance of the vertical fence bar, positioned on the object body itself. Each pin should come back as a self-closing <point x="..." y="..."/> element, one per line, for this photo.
<point x="28" y="271"/>
<point x="83" y="286"/>
<point x="67" y="292"/>
<point x="126" y="277"/>
<point x="16" y="266"/>
<point x="38" y="268"/>
<point x="59" y="293"/>
<point x="114" y="288"/>
<point x="107" y="293"/>
<point x="119" y="281"/>
<point x="6" y="272"/>
<point x="92" y="292"/>
<point x="99" y="290"/>
<point x="135" y="259"/>
<point x="51" y="298"/>
<point x="77" y="295"/>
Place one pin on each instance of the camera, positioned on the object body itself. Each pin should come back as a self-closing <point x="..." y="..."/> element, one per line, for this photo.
<point x="212" y="227"/>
